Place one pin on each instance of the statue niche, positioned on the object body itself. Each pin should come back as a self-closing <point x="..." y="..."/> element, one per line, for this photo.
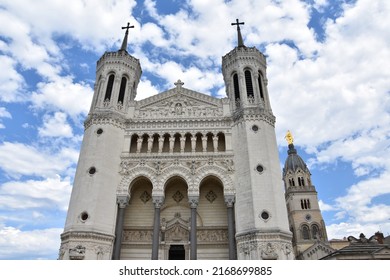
<point x="175" y="230"/>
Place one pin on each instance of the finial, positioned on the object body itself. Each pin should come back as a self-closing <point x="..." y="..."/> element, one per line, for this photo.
<point x="289" y="138"/>
<point x="240" y="42"/>
<point x="124" y="43"/>
<point x="179" y="84"/>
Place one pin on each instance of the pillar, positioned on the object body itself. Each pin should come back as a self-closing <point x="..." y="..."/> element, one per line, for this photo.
<point x="139" y="144"/>
<point x="182" y="143"/>
<point x="229" y="200"/>
<point x="215" y="143"/>
<point x="122" y="202"/>
<point x="194" y="201"/>
<point x="193" y="143"/>
<point x="150" y="143"/>
<point x="160" y="143"/>
<point x="204" y="143"/>
<point x="158" y="201"/>
<point x="171" y="143"/>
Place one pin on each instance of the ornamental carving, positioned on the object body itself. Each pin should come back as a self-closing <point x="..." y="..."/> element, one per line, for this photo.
<point x="212" y="235"/>
<point x="77" y="253"/>
<point x="137" y="235"/>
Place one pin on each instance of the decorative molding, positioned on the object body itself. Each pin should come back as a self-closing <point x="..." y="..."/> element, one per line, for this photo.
<point x="211" y="196"/>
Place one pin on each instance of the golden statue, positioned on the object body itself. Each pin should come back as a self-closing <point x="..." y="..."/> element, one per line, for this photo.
<point x="289" y="137"/>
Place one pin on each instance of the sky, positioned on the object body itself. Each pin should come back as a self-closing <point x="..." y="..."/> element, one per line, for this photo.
<point x="328" y="81"/>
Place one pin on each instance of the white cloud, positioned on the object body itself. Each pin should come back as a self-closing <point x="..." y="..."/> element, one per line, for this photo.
<point x="50" y="193"/>
<point x="55" y="126"/>
<point x="65" y="95"/>
<point x="34" y="244"/>
<point x="341" y="230"/>
<point x="17" y="159"/>
<point x="11" y="82"/>
<point x="145" y="89"/>
<point x="325" y="207"/>
<point x="4" y="114"/>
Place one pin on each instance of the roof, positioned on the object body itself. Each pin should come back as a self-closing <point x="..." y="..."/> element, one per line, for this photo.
<point x="294" y="161"/>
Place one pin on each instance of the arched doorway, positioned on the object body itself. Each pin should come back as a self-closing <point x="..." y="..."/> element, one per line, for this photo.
<point x="175" y="218"/>
<point x="138" y="221"/>
<point x="213" y="233"/>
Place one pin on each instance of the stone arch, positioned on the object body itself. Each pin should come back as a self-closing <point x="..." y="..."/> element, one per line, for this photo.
<point x="139" y="171"/>
<point x="218" y="172"/>
<point x="179" y="171"/>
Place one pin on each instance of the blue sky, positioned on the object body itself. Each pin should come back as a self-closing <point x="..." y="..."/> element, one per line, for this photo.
<point x="328" y="81"/>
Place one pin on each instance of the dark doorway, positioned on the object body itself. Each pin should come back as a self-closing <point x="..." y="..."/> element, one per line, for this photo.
<point x="177" y="252"/>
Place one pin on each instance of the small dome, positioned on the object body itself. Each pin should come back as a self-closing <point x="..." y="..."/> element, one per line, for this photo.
<point x="294" y="161"/>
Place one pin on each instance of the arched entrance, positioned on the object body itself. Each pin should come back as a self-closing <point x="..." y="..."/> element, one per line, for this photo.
<point x="138" y="221"/>
<point x="175" y="218"/>
<point x="213" y="233"/>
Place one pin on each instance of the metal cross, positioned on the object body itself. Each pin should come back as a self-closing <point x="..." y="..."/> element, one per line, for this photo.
<point x="238" y="23"/>
<point x="128" y="27"/>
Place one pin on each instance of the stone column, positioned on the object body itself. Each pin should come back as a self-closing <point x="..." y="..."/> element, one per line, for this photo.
<point x="150" y="143"/>
<point x="193" y="143"/>
<point x="158" y="201"/>
<point x="122" y="202"/>
<point x="229" y="200"/>
<point x="194" y="201"/>
<point x="204" y="143"/>
<point x="160" y="143"/>
<point x="139" y="144"/>
<point x="182" y="143"/>
<point x="215" y="143"/>
<point x="171" y="143"/>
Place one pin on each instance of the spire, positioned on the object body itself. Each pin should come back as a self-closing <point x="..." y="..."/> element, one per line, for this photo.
<point x="124" y="43"/>
<point x="240" y="42"/>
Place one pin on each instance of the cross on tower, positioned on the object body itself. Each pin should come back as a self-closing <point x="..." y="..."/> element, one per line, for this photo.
<point x="240" y="41"/>
<point x="124" y="43"/>
<point x="128" y="27"/>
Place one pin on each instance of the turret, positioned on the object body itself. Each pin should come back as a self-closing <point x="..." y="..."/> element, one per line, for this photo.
<point x="304" y="214"/>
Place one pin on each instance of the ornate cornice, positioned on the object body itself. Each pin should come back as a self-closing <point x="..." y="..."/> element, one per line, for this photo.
<point x="83" y="235"/>
<point x="105" y="117"/>
<point x="254" y="113"/>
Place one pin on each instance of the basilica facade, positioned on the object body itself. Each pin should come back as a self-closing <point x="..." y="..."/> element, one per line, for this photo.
<point x="184" y="175"/>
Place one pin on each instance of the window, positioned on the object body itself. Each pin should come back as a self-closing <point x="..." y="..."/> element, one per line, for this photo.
<point x="248" y="82"/>
<point x="291" y="182"/>
<point x="305" y="204"/>
<point x="260" y="80"/>
<point x="236" y="87"/>
<point x="109" y="87"/>
<point x="315" y="232"/>
<point x="305" y="232"/>
<point x="122" y="90"/>
<point x="301" y="182"/>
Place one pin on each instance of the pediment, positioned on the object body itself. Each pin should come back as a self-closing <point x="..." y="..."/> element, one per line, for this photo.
<point x="179" y="102"/>
<point x="317" y="251"/>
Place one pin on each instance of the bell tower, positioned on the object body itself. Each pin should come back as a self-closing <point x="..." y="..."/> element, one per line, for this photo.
<point x="117" y="77"/>
<point x="304" y="214"/>
<point x="89" y="231"/>
<point x="262" y="230"/>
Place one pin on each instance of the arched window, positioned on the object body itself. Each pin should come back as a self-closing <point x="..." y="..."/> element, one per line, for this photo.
<point x="248" y="82"/>
<point x="110" y="84"/>
<point x="315" y="231"/>
<point x="122" y="90"/>
<point x="301" y="181"/>
<point x="260" y="81"/>
<point x="305" y="232"/>
<point x="236" y="87"/>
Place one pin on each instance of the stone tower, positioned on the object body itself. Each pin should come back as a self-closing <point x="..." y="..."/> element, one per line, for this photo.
<point x="304" y="214"/>
<point x="179" y="175"/>
<point x="90" y="224"/>
<point x="261" y="218"/>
